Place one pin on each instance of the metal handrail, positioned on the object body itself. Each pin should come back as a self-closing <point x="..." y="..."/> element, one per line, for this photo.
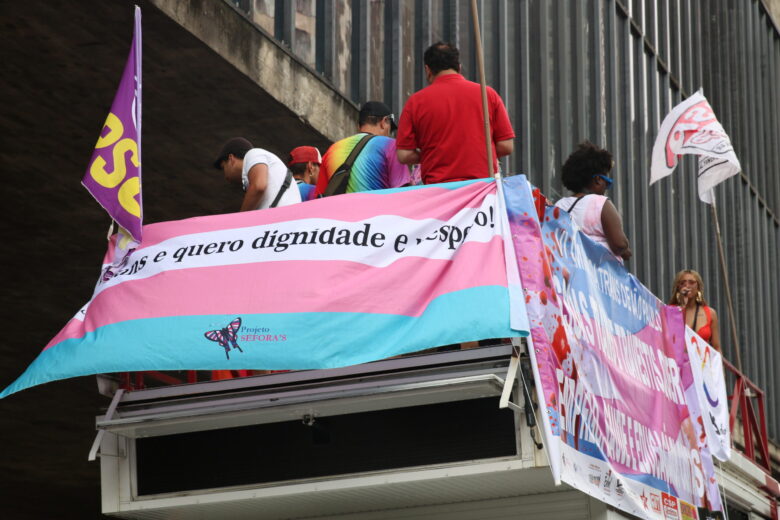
<point x="745" y="395"/>
<point x="130" y="381"/>
<point x="747" y="401"/>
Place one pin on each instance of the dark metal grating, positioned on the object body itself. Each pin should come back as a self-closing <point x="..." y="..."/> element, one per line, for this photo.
<point x="337" y="445"/>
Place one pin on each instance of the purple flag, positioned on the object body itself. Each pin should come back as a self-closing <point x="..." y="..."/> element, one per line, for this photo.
<point x="114" y="173"/>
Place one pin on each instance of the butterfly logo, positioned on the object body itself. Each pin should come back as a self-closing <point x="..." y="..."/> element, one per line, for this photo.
<point x="226" y="336"/>
<point x="111" y="270"/>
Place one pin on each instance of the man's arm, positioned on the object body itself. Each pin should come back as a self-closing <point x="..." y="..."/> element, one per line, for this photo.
<point x="501" y="128"/>
<point x="505" y="147"/>
<point x="396" y="174"/>
<point x="409" y="156"/>
<point x="258" y="183"/>
<point x="406" y="138"/>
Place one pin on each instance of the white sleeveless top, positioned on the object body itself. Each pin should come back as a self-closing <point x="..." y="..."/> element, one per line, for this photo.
<point x="587" y="215"/>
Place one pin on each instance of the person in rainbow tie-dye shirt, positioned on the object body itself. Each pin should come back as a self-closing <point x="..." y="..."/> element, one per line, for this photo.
<point x="377" y="166"/>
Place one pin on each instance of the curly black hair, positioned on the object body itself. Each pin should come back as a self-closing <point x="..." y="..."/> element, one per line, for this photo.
<point x="298" y="168"/>
<point x="583" y="163"/>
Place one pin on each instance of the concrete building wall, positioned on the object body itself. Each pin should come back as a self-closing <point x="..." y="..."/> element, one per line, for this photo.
<point x="265" y="61"/>
<point x="774" y="10"/>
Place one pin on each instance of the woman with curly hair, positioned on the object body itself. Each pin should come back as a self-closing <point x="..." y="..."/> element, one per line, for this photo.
<point x="585" y="174"/>
<point x="688" y="293"/>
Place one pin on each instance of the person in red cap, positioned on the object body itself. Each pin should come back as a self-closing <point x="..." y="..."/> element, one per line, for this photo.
<point x="262" y="174"/>
<point x="441" y="127"/>
<point x="376" y="167"/>
<point x="304" y="164"/>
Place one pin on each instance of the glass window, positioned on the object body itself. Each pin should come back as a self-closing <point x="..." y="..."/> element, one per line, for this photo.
<point x="305" y="30"/>
<point x="263" y="14"/>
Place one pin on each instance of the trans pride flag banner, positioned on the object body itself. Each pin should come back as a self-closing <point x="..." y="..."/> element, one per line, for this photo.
<point x="612" y="372"/>
<point x="333" y="282"/>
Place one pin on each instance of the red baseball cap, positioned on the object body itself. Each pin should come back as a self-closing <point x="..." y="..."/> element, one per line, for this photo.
<point x="304" y="154"/>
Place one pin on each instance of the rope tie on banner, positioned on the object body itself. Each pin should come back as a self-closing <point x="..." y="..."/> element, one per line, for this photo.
<point x="721" y="487"/>
<point x="516" y="342"/>
<point x="539" y="444"/>
<point x="722" y="491"/>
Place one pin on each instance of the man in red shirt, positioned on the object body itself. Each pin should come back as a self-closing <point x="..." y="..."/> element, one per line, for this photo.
<point x="442" y="128"/>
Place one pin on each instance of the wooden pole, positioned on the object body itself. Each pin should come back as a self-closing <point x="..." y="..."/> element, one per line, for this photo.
<point x="483" y="84"/>
<point x="725" y="274"/>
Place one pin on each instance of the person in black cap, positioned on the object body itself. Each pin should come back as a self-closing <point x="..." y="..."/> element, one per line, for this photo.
<point x="263" y="175"/>
<point x="376" y="167"/>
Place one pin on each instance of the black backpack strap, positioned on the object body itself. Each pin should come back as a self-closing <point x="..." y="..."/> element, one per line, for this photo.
<point x="575" y="203"/>
<point x="695" y="317"/>
<point x="285" y="186"/>
<point x="355" y="152"/>
<point x="337" y="184"/>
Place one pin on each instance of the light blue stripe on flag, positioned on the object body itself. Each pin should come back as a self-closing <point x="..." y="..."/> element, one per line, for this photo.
<point x="178" y="343"/>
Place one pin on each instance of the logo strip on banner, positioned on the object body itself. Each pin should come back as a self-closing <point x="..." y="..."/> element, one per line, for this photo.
<point x="317" y="285"/>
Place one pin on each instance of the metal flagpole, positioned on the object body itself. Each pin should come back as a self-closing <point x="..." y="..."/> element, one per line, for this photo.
<point x="511" y="377"/>
<point x="483" y="84"/>
<point x="485" y="117"/>
<point x="725" y="274"/>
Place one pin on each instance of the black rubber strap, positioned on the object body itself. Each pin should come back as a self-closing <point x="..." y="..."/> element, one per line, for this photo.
<point x="695" y="317"/>
<point x="285" y="186"/>
<point x="339" y="181"/>
<point x="575" y="203"/>
<point x="355" y="152"/>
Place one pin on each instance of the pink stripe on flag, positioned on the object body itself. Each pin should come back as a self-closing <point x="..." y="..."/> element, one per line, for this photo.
<point x="73" y="329"/>
<point x="296" y="287"/>
<point x="439" y="203"/>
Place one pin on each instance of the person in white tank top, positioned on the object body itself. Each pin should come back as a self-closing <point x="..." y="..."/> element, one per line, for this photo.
<point x="585" y="175"/>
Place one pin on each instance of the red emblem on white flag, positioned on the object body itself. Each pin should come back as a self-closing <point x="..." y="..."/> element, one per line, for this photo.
<point x="692" y="128"/>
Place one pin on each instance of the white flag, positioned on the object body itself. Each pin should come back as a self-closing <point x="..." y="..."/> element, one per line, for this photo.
<point x="692" y="128"/>
<point x="710" y="385"/>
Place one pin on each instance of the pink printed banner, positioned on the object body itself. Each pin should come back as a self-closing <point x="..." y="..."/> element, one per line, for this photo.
<point x="612" y="372"/>
<point x="330" y="283"/>
<point x="114" y="173"/>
